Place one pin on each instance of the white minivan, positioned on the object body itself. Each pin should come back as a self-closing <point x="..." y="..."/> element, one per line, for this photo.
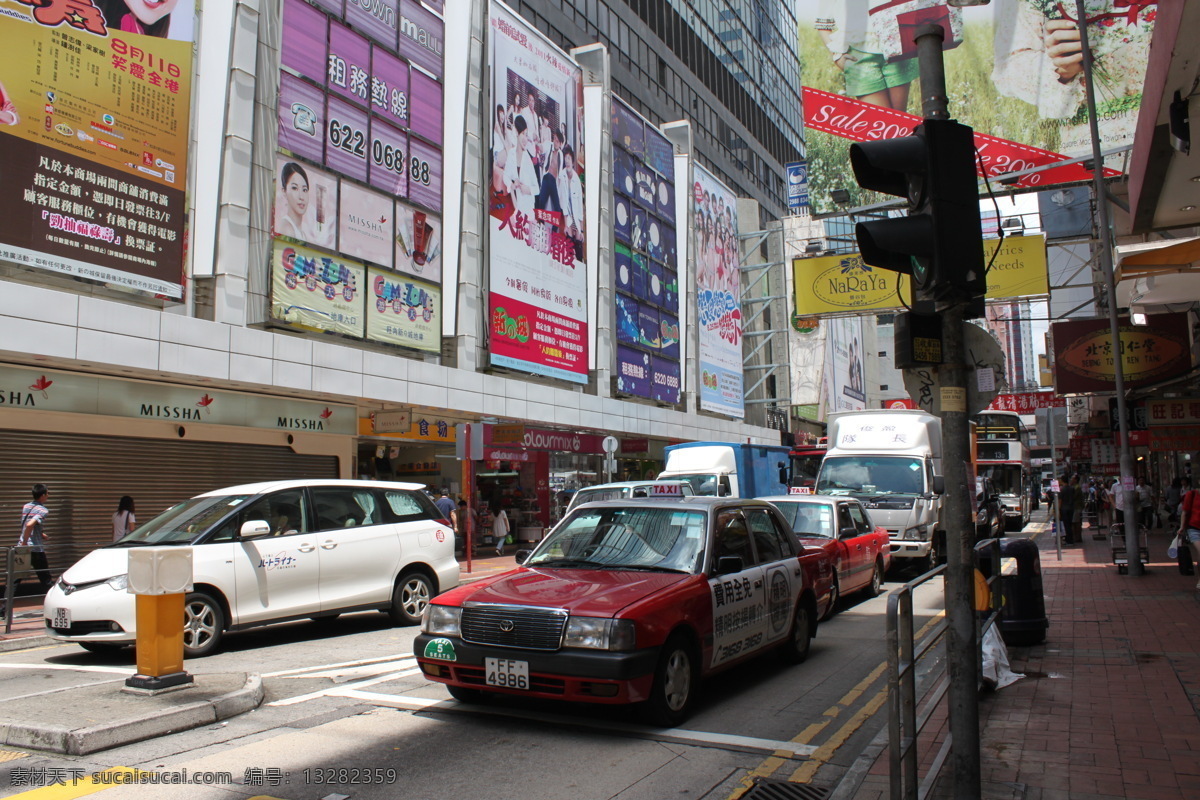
<point x="269" y="552"/>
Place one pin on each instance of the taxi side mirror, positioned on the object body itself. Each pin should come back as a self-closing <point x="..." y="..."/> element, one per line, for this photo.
<point x="727" y="565"/>
<point x="523" y="556"/>
<point x="254" y="529"/>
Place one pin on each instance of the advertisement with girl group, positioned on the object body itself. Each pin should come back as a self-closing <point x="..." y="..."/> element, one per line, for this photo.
<point x="718" y="315"/>
<point x="537" y="287"/>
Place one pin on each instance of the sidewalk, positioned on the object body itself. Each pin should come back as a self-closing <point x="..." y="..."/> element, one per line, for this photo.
<point x="1110" y="703"/>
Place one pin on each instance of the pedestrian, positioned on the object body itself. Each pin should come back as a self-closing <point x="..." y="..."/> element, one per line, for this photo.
<point x="33" y="534"/>
<point x="1116" y="495"/>
<point x="468" y="522"/>
<point x="1079" y="500"/>
<point x="1145" y="507"/>
<point x="1066" y="507"/>
<point x="1189" y="524"/>
<point x="123" y="520"/>
<point x="1173" y="499"/>
<point x="500" y="529"/>
<point x="446" y="505"/>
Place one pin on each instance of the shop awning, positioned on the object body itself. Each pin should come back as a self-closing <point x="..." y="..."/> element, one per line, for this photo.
<point x="1158" y="273"/>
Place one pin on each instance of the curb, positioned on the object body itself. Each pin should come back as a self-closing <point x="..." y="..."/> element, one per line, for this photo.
<point x="23" y="642"/>
<point x="92" y="739"/>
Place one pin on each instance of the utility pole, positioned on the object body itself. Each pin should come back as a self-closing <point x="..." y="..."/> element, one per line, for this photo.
<point x="1106" y="267"/>
<point x="940" y="246"/>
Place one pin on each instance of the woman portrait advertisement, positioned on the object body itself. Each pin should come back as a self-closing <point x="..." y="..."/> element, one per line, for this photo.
<point x="8" y="111"/>
<point x="147" y="17"/>
<point x="305" y="203"/>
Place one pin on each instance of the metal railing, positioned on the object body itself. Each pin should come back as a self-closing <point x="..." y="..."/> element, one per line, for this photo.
<point x="906" y="656"/>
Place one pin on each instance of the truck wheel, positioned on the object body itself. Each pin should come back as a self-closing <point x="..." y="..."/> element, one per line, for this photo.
<point x="799" y="641"/>
<point x="676" y="679"/>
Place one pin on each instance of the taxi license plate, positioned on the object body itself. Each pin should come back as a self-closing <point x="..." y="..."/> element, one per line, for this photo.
<point x="507" y="673"/>
<point x="62" y="619"/>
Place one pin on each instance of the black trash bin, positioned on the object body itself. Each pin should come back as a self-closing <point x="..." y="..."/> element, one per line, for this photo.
<point x="1022" y="617"/>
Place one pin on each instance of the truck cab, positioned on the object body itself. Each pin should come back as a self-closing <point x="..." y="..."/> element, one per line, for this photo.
<point x="729" y="469"/>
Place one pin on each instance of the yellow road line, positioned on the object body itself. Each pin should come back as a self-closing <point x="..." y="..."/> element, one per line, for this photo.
<point x="822" y="754"/>
<point x="85" y="785"/>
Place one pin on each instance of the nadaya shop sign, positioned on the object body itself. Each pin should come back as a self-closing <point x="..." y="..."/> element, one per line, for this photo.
<point x="1085" y="358"/>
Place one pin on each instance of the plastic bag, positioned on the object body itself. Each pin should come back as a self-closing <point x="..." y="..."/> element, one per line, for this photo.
<point x="1173" y="548"/>
<point x="996" y="672"/>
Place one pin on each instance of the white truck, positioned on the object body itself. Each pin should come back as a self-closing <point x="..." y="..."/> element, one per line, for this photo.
<point x="891" y="460"/>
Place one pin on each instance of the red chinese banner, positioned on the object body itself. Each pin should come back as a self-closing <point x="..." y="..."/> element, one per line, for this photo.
<point x="1026" y="402"/>
<point x="1167" y="440"/>
<point x="862" y="122"/>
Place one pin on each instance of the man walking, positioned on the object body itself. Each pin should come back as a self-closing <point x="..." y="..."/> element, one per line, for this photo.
<point x="448" y="508"/>
<point x="33" y="534"/>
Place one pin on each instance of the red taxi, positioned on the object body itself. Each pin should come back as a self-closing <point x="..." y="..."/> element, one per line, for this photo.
<point x="627" y="602"/>
<point x="859" y="551"/>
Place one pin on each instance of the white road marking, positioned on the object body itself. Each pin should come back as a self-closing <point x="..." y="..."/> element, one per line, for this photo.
<point x="367" y="670"/>
<point x="359" y="662"/>
<point x="722" y="741"/>
<point x="336" y="691"/>
<point x="70" y="668"/>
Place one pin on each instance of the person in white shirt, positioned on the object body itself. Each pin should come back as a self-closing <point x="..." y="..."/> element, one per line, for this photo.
<point x="520" y="173"/>
<point x="570" y="196"/>
<point x="123" y="520"/>
<point x="500" y="530"/>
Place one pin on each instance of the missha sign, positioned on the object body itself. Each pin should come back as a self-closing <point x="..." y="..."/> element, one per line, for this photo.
<point x="47" y="390"/>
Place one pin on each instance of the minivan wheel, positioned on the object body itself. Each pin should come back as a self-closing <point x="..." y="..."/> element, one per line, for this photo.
<point x="412" y="593"/>
<point x="203" y="625"/>
<point x="676" y="679"/>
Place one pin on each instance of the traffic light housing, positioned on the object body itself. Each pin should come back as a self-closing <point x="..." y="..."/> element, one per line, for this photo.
<point x="940" y="243"/>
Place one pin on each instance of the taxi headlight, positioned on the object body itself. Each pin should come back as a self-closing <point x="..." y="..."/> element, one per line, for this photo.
<point x="118" y="583"/>
<point x="600" y="633"/>
<point x="442" y="620"/>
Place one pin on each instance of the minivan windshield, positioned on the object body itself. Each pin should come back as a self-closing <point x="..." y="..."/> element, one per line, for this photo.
<point x="182" y="523"/>
<point x="626" y="538"/>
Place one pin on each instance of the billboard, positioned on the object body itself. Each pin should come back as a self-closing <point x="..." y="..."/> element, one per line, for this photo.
<point x="846" y="284"/>
<point x="94" y="126"/>
<point x="718" y="313"/>
<point x="537" y="285"/>
<point x="1013" y="72"/>
<point x="358" y="176"/>
<point x="845" y="389"/>
<point x="645" y="263"/>
<point x="1084" y="360"/>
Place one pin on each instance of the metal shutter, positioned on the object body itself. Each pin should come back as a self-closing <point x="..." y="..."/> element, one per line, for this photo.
<point x="88" y="474"/>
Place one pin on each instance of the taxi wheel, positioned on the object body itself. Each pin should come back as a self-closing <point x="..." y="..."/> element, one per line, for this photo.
<point x="835" y="597"/>
<point x="464" y="694"/>
<point x="412" y="593"/>
<point x="676" y="679"/>
<point x="876" y="587"/>
<point x="795" y="649"/>
<point x="203" y="625"/>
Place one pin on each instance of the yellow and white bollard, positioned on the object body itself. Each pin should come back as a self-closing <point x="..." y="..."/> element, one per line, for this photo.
<point x="160" y="577"/>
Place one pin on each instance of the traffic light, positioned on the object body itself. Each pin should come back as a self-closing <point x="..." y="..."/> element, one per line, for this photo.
<point x="940" y="242"/>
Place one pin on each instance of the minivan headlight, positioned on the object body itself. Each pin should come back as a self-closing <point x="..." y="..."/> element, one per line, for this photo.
<point x="600" y="633"/>
<point x="442" y="620"/>
<point x="118" y="583"/>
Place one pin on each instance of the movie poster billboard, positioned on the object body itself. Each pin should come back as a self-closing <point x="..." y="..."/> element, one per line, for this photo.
<point x="94" y="126"/>
<point x="537" y="286"/>
<point x="844" y="386"/>
<point x="645" y="261"/>
<point x="718" y="314"/>
<point x="359" y="173"/>
<point x="1014" y="73"/>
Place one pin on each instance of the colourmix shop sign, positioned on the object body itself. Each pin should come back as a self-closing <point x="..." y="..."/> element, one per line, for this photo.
<point x="44" y="390"/>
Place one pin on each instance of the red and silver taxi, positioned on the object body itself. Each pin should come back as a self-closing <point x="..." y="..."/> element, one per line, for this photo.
<point x="627" y="602"/>
<point x="859" y="550"/>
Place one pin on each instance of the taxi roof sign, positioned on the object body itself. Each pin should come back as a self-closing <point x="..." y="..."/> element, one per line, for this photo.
<point x="666" y="490"/>
<point x="800" y="490"/>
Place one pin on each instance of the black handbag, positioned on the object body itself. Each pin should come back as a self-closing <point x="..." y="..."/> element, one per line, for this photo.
<point x="1186" y="566"/>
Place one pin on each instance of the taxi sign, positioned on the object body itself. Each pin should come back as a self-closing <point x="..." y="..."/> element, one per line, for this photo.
<point x="666" y="490"/>
<point x="800" y="490"/>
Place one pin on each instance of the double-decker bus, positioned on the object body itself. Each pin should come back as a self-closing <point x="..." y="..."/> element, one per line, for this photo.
<point x="1002" y="454"/>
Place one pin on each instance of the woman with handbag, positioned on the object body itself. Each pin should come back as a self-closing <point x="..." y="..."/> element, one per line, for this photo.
<point x="1189" y="525"/>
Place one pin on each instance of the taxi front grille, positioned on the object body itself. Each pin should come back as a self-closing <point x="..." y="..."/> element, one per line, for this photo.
<point x="512" y="626"/>
<point x="537" y="683"/>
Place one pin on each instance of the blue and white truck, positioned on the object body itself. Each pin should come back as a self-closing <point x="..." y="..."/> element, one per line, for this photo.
<point x="724" y="469"/>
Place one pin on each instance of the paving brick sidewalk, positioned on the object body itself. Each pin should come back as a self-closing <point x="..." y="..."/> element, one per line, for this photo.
<point x="1110" y="705"/>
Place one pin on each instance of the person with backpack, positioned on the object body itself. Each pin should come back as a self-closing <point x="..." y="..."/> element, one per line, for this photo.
<point x="1189" y="525"/>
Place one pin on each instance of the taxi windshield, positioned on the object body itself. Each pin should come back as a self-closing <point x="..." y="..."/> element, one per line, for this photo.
<point x="654" y="538"/>
<point x="182" y="523"/>
<point x="808" y="519"/>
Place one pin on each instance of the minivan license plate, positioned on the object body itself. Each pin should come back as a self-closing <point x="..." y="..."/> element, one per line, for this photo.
<point x="62" y="619"/>
<point x="507" y="672"/>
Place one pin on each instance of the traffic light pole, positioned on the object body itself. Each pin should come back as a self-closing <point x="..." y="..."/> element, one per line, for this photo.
<point x="962" y="652"/>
